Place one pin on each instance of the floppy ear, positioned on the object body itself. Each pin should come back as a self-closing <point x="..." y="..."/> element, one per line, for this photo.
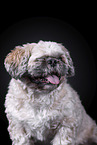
<point x="16" y="61"/>
<point x="69" y="64"/>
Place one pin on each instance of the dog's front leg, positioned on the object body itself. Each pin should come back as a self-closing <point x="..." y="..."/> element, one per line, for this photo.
<point x="18" y="132"/>
<point x="65" y="136"/>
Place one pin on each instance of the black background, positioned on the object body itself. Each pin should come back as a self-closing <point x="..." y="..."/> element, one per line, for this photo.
<point x="75" y="29"/>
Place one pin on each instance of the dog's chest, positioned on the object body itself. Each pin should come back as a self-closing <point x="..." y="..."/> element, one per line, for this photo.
<point x="43" y="122"/>
<point x="42" y="116"/>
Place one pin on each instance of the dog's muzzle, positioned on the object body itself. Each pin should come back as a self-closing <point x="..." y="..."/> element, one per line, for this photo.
<point x="46" y="74"/>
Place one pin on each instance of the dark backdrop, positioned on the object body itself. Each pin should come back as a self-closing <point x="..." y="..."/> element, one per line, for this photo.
<point x="77" y="37"/>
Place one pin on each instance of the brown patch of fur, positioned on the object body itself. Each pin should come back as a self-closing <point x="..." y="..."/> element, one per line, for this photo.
<point x="15" y="56"/>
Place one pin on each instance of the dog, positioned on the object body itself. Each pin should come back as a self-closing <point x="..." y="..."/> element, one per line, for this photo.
<point x="40" y="104"/>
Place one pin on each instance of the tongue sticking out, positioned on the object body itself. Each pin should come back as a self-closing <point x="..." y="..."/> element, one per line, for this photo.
<point x="53" y="79"/>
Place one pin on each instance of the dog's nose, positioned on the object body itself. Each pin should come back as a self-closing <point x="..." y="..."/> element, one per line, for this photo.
<point x="52" y="62"/>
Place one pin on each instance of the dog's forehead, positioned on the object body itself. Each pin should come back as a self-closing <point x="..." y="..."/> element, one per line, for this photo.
<point x="47" y="49"/>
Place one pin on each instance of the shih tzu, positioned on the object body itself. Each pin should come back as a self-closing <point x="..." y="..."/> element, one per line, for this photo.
<point x="40" y="104"/>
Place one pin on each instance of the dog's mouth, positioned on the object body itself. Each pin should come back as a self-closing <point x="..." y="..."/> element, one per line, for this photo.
<point x="49" y="79"/>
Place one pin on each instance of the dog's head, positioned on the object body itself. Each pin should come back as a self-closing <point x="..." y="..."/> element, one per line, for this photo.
<point x="42" y="65"/>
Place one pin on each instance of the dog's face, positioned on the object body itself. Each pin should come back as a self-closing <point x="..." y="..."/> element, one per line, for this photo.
<point x="42" y="66"/>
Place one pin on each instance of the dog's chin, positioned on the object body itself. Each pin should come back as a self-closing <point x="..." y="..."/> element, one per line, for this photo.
<point x="43" y="84"/>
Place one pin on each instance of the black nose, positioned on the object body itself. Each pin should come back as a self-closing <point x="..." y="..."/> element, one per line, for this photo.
<point x="52" y="62"/>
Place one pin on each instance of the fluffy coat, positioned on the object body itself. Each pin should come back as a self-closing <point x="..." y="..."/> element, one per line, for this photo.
<point x="57" y="116"/>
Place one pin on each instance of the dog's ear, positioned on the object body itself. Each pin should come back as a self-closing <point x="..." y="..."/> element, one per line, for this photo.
<point x="68" y="63"/>
<point x="16" y="61"/>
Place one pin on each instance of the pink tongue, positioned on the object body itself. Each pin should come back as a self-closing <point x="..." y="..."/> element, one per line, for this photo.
<point x="53" y="79"/>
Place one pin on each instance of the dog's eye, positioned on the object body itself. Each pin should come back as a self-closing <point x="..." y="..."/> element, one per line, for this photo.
<point x="52" y="61"/>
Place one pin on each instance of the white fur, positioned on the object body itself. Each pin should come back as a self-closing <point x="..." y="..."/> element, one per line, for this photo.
<point x="36" y="115"/>
<point x="33" y="113"/>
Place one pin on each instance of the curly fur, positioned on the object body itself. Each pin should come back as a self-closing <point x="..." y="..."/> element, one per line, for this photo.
<point x="50" y="114"/>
